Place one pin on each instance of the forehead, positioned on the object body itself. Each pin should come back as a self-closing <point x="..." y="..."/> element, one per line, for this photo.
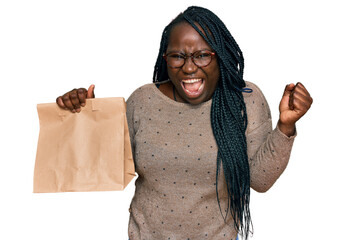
<point x="183" y="37"/>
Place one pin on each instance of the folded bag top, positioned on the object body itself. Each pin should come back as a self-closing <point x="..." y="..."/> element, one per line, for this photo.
<point x="86" y="151"/>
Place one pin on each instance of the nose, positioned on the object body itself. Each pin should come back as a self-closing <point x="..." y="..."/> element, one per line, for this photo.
<point x="189" y="67"/>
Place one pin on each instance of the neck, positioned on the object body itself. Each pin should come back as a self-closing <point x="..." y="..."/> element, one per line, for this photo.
<point x="175" y="99"/>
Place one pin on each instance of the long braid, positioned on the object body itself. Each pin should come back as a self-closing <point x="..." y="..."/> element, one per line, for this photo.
<point x="228" y="110"/>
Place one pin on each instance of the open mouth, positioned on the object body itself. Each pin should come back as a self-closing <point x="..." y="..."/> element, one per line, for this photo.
<point x="193" y="88"/>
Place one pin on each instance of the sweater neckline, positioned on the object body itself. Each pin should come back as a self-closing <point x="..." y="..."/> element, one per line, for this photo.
<point x="172" y="102"/>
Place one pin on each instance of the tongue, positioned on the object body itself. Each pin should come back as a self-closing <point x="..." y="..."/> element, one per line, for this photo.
<point x="192" y="87"/>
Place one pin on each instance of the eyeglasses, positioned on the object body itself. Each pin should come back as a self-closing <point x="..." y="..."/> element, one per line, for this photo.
<point x="200" y="58"/>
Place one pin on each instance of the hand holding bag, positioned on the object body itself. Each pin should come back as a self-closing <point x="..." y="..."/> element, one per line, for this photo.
<point x="86" y="151"/>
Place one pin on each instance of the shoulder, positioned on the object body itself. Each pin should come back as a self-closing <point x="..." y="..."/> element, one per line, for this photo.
<point x="255" y="94"/>
<point x="141" y="95"/>
<point x="141" y="92"/>
<point x="256" y="104"/>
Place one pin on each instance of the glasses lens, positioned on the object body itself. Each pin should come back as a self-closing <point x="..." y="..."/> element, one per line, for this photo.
<point x="175" y="60"/>
<point x="202" y="58"/>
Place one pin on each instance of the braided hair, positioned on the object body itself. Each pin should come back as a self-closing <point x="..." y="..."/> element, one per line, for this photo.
<point x="228" y="110"/>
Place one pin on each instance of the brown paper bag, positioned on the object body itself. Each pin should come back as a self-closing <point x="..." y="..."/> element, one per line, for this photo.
<point x="86" y="151"/>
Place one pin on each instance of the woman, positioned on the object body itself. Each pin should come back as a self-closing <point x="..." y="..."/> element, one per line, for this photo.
<point x="201" y="136"/>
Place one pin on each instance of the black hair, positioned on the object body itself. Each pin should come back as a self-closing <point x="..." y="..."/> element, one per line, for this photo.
<point x="228" y="110"/>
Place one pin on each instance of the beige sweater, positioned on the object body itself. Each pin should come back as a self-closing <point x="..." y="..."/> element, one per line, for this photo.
<point x="175" y="157"/>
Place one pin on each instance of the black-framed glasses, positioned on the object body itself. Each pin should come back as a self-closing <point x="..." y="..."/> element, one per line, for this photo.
<point x="201" y="58"/>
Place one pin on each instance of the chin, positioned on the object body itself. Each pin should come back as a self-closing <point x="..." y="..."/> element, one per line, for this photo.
<point x="196" y="101"/>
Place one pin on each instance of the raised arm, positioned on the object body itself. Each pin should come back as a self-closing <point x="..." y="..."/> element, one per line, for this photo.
<point x="269" y="150"/>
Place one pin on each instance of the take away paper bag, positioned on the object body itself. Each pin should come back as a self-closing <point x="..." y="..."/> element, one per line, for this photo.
<point x="86" y="151"/>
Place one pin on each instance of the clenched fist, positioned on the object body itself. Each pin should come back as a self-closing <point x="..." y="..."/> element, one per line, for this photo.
<point x="75" y="99"/>
<point x="295" y="102"/>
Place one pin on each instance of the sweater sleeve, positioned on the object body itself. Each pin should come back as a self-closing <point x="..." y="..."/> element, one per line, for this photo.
<point x="268" y="150"/>
<point x="130" y="115"/>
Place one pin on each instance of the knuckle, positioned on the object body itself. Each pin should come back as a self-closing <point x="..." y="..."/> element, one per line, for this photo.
<point x="73" y="95"/>
<point x="65" y="98"/>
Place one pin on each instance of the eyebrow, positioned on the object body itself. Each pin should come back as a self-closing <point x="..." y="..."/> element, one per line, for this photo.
<point x="190" y="52"/>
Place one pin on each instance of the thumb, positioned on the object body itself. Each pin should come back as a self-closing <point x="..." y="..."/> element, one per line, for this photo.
<point x="288" y="89"/>
<point x="90" y="93"/>
<point x="286" y="102"/>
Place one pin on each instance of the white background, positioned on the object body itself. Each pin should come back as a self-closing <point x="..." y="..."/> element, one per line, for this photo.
<point x="50" y="47"/>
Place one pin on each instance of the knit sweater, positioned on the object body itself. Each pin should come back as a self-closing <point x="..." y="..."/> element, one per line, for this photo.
<point x="175" y="157"/>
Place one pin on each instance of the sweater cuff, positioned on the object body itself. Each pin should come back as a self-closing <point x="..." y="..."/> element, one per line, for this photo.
<point x="283" y="137"/>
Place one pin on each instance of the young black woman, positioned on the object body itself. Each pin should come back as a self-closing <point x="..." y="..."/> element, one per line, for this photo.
<point x="201" y="136"/>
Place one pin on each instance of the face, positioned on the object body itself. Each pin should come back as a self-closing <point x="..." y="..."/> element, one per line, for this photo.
<point x="193" y="84"/>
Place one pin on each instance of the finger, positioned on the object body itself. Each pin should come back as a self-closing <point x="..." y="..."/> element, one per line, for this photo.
<point x="75" y="100"/>
<point x="290" y="102"/>
<point x="306" y="94"/>
<point x="284" y="103"/>
<point x="300" y="107"/>
<point x="81" y="93"/>
<point x="67" y="102"/>
<point x="91" y="93"/>
<point x="288" y="89"/>
<point x="303" y="95"/>
<point x="287" y="93"/>
<point x="60" y="102"/>
<point x="300" y="88"/>
<point x="301" y="85"/>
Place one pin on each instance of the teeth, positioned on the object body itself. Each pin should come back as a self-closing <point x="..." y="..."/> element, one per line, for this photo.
<point x="191" y="80"/>
<point x="197" y="90"/>
<point x="200" y="87"/>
